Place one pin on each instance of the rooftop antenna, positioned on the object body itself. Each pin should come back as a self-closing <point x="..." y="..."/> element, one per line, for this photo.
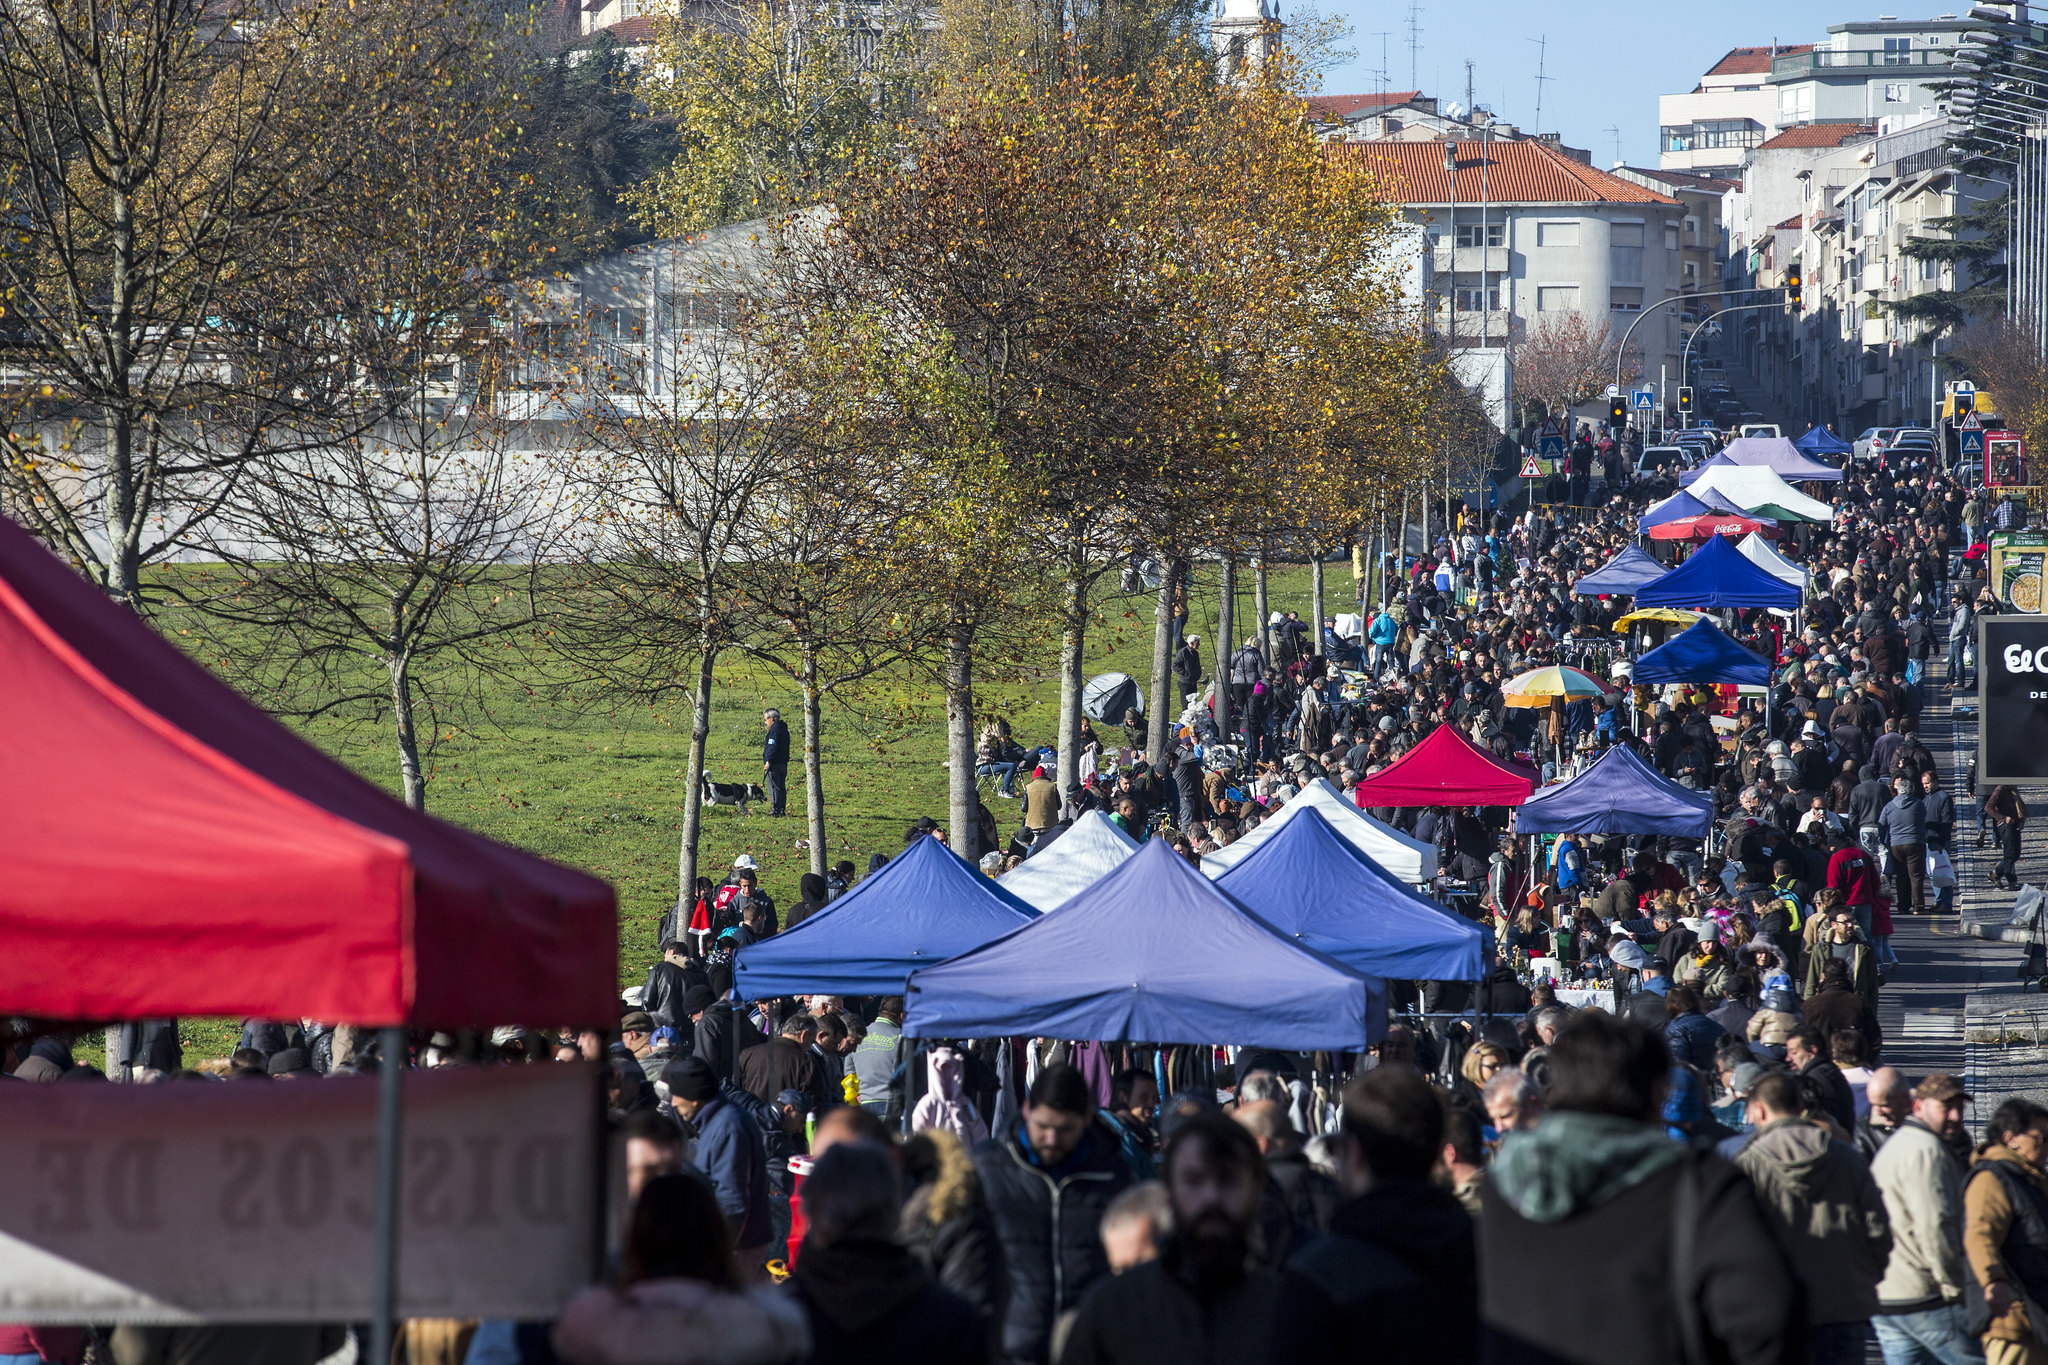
<point x="1414" y="38"/>
<point x="1616" y="132"/>
<point x="1542" y="45"/>
<point x="1383" y="73"/>
<point x="1469" y="107"/>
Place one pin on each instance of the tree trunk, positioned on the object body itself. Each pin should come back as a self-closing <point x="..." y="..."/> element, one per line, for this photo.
<point x="1315" y="600"/>
<point x="1163" y="694"/>
<point x="409" y="773"/>
<point x="124" y="530"/>
<point x="693" y="781"/>
<point x="1401" y="534"/>
<point x="1226" y="599"/>
<point x="1261" y="604"/>
<point x="966" y="824"/>
<point x="814" y="777"/>
<point x="1073" y="640"/>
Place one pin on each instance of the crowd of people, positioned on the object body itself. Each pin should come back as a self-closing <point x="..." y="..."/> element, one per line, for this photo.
<point x="1712" y="1162"/>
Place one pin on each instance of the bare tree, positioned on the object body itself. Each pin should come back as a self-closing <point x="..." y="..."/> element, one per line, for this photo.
<point x="376" y="578"/>
<point x="180" y="184"/>
<point x="1568" y="360"/>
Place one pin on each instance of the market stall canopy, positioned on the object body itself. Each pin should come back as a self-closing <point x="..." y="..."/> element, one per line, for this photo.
<point x="1703" y="654"/>
<point x="1080" y="857"/>
<point x="925" y="906"/>
<point x="1622" y="575"/>
<point x="1670" y="616"/>
<point x="1761" y="492"/>
<point x="1311" y="885"/>
<point x="1409" y="860"/>
<point x="1680" y="506"/>
<point x="1619" y="794"/>
<point x="1154" y="953"/>
<point x="1447" y="769"/>
<point x="1821" y="441"/>
<point x="1774" y="453"/>
<point x="1716" y="577"/>
<point x="1765" y="556"/>
<point x="172" y="850"/>
<point x="1714" y="524"/>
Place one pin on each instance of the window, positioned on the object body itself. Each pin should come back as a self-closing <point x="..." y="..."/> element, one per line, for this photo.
<point x="1732" y="132"/>
<point x="1795" y="103"/>
<point x="1625" y="254"/>
<point x="618" y="324"/>
<point x="1677" y="137"/>
<point x="1557" y="234"/>
<point x="1895" y="92"/>
<point x="1557" y="298"/>
<point x="1625" y="300"/>
<point x="1468" y="234"/>
<point x="1469" y="296"/>
<point x="1671" y="236"/>
<point x="629" y="9"/>
<point x="681" y="312"/>
<point x="1930" y="270"/>
<point x="1898" y="51"/>
<point x="1390" y="126"/>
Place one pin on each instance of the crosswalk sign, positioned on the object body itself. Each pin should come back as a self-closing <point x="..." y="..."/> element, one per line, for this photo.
<point x="1550" y="444"/>
<point x="1643" y="399"/>
<point x="1530" y="469"/>
<point x="1973" y="441"/>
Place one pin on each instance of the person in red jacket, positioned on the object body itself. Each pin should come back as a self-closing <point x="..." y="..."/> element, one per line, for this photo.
<point x="1851" y="872"/>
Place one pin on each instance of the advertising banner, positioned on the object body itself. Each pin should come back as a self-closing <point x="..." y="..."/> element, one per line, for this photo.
<point x="2012" y="693"/>
<point x="248" y="1202"/>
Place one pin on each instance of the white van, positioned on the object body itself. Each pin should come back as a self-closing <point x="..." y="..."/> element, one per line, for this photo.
<point x="1760" y="429"/>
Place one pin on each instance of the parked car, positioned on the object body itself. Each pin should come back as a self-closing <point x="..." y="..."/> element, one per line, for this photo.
<point x="1760" y="429"/>
<point x="1663" y="459"/>
<point x="1969" y="473"/>
<point x="1860" y="447"/>
<point x="1871" y="444"/>
<point x="1911" y="443"/>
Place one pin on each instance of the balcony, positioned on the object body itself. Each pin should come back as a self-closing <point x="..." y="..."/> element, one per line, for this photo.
<point x="1875" y="331"/>
<point x="1875" y="387"/>
<point x="1470" y="260"/>
<point x="1873" y="278"/>
<point x="1795" y="66"/>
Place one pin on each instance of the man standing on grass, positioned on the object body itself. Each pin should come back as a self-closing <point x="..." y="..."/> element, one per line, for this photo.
<point x="775" y="760"/>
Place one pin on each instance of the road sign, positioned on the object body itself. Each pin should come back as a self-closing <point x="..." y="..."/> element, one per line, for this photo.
<point x="1530" y="469"/>
<point x="1613" y="389"/>
<point x="1550" y="444"/>
<point x="1962" y="386"/>
<point x="1643" y="398"/>
<point x="1973" y="441"/>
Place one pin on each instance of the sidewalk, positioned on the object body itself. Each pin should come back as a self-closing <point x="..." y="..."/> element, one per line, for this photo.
<point x="1959" y="1004"/>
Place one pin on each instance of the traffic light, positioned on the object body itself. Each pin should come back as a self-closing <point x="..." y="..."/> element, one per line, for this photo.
<point x="1795" y="283"/>
<point x="1966" y="403"/>
<point x="1685" y="400"/>
<point x="1617" y="411"/>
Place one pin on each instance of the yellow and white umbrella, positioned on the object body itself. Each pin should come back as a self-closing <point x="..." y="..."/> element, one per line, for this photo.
<point x="1541" y="686"/>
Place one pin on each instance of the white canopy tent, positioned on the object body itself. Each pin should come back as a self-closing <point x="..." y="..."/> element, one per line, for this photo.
<point x="1071" y="863"/>
<point x="1758" y="551"/>
<point x="1758" y="489"/>
<point x="1409" y="860"/>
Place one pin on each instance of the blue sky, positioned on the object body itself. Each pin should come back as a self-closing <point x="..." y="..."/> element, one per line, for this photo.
<point x="1607" y="61"/>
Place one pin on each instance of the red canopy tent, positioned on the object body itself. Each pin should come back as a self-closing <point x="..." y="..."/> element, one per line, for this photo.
<point x="1447" y="769"/>
<point x="172" y="850"/>
<point x="1709" y="525"/>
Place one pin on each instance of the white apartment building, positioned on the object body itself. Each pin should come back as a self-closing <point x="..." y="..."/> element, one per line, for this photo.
<point x="1866" y="71"/>
<point x="1520" y="230"/>
<point x="1710" y="129"/>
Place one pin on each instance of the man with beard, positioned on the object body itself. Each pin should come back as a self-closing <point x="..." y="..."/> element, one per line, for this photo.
<point x="1204" y="1298"/>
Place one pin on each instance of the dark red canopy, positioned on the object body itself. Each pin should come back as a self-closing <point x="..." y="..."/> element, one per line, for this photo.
<point x="1447" y="769"/>
<point x="170" y="849"/>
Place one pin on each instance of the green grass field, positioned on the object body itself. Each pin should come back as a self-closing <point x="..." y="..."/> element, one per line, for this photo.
<point x="599" y="784"/>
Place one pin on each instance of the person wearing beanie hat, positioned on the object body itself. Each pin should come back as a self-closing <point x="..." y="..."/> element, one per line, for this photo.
<point x="730" y="1151"/>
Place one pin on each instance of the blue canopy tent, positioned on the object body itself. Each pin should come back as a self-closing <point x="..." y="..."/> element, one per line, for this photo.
<point x="926" y="906"/>
<point x="1717" y="576"/>
<point x="1152" y="953"/>
<point x="1619" y="794"/>
<point x="1310" y="884"/>
<point x="1621" y="575"/>
<point x="1703" y="654"/>
<point x="1677" y="507"/>
<point x="1821" y="441"/>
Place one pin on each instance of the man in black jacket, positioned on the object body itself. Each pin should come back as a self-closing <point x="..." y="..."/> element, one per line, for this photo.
<point x="1663" y="1244"/>
<point x="1395" y="1280"/>
<point x="775" y="760"/>
<point x="1048" y="1180"/>
<point x="1807" y="1052"/>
